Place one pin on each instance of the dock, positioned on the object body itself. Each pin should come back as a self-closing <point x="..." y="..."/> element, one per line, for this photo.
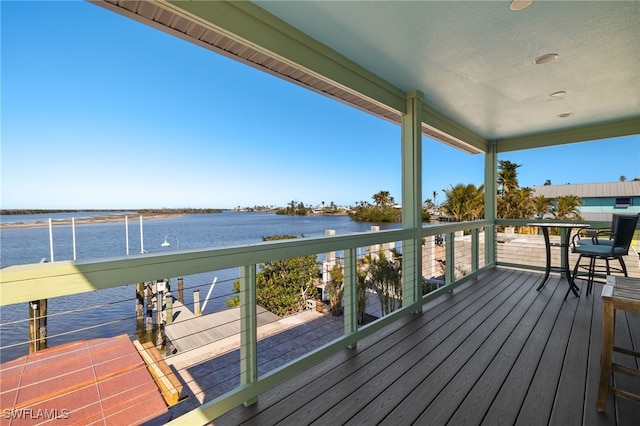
<point x="217" y="332"/>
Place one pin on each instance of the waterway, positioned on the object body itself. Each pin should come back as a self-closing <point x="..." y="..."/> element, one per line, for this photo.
<point x="111" y="312"/>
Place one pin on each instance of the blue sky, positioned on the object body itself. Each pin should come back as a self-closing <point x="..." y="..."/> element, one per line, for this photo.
<point x="99" y="111"/>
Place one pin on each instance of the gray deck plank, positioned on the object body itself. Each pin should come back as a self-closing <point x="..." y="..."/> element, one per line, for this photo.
<point x="308" y="387"/>
<point x="570" y="402"/>
<point x="505" y="408"/>
<point x="457" y="390"/>
<point x="451" y="361"/>
<point x="493" y="352"/>
<point x="360" y="379"/>
<point x="392" y="381"/>
<point x="538" y="402"/>
<point x="473" y="409"/>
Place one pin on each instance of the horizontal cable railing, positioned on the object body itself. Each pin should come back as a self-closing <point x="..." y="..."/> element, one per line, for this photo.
<point x="521" y="245"/>
<point x="256" y="349"/>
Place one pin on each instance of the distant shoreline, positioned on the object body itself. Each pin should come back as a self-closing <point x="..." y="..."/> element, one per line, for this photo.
<point x="88" y="220"/>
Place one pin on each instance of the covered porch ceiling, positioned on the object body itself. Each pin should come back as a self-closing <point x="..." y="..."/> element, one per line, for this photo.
<point x="474" y="61"/>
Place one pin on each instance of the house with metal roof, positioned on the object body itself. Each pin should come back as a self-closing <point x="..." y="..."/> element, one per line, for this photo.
<point x="599" y="200"/>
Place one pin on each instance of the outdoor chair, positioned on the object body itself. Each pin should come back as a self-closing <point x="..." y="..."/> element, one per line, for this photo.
<point x="614" y="249"/>
<point x="597" y="236"/>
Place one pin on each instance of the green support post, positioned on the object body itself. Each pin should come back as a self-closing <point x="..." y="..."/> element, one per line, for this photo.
<point x="412" y="201"/>
<point x="490" y="202"/>
<point x="350" y="294"/>
<point x="248" y="329"/>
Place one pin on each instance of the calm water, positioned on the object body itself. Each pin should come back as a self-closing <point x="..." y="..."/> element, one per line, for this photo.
<point x="30" y="245"/>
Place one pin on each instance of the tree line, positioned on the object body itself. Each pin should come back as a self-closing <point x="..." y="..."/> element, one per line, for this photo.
<point x="466" y="202"/>
<point x="284" y="286"/>
<point x="183" y="210"/>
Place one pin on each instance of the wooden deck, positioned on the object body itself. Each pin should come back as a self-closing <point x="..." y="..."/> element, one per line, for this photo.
<point x="495" y="351"/>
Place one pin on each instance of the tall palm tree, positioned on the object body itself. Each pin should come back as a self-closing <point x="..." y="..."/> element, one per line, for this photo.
<point x="382" y="198"/>
<point x="507" y="176"/>
<point x="464" y="202"/>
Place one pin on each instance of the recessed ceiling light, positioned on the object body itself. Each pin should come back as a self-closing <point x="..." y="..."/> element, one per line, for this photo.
<point x="519" y="4"/>
<point x="558" y="94"/>
<point x="545" y="59"/>
<point x="565" y="114"/>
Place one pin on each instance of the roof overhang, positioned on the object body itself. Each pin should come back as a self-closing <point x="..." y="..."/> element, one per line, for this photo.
<point x="477" y="91"/>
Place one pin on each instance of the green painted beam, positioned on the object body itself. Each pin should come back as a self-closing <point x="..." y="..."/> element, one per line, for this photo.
<point x="578" y="134"/>
<point x="453" y="129"/>
<point x="269" y="34"/>
<point x="251" y="25"/>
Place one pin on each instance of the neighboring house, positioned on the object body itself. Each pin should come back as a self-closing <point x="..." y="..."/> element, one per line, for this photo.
<point x="599" y="200"/>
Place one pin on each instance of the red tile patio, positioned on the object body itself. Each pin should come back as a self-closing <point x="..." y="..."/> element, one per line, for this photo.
<point x="102" y="381"/>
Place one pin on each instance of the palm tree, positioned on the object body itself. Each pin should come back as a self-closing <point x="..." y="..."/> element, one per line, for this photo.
<point x="541" y="206"/>
<point x="507" y="176"/>
<point x="464" y="202"/>
<point x="382" y="198"/>
<point x="516" y="204"/>
<point x="566" y="207"/>
<point x="525" y="207"/>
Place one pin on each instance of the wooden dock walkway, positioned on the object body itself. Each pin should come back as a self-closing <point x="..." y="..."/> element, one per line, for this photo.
<point x="189" y="332"/>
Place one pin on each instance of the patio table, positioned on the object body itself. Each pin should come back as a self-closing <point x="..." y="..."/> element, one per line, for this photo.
<point x="565" y="239"/>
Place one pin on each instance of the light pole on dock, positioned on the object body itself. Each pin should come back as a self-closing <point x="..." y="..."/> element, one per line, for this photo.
<point x="166" y="243"/>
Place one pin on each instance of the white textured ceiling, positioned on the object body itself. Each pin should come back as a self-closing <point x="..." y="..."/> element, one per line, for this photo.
<point x="473" y="59"/>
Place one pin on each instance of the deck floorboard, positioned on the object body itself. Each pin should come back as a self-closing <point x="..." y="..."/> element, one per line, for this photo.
<point x="494" y="351"/>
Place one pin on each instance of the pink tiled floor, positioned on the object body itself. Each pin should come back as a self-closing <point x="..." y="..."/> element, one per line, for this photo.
<point x="102" y="381"/>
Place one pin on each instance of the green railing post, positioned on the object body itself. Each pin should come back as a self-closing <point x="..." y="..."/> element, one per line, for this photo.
<point x="450" y="261"/>
<point x="350" y="294"/>
<point x="248" y="329"/>
<point x="475" y="252"/>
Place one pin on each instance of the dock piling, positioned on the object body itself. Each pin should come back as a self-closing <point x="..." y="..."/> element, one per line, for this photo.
<point x="169" y="312"/>
<point x="139" y="300"/>
<point x="37" y="325"/>
<point x="196" y="303"/>
<point x="181" y="290"/>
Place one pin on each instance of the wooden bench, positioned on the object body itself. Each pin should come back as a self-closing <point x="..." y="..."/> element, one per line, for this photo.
<point x="624" y="294"/>
<point x="169" y="385"/>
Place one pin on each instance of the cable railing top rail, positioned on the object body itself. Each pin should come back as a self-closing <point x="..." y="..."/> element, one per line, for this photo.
<point x="23" y="283"/>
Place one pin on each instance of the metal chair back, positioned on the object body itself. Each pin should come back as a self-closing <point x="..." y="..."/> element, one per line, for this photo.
<point x="625" y="228"/>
